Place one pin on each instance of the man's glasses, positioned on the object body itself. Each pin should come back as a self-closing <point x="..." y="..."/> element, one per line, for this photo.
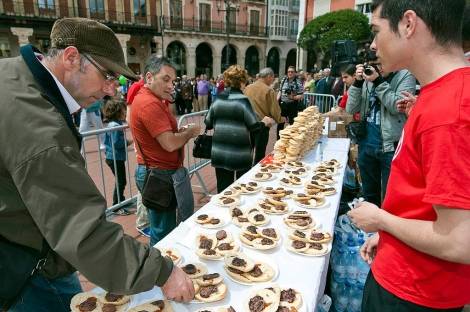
<point x="109" y="77"/>
<point x="291" y="71"/>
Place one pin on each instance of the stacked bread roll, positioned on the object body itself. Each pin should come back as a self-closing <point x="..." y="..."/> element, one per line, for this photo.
<point x="300" y="137"/>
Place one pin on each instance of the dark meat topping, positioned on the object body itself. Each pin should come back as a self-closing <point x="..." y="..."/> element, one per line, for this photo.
<point x="249" y="237"/>
<point x="259" y="217"/>
<point x="88" y="305"/>
<point x="221" y="235"/>
<point x="252" y="229"/>
<point x="254" y="184"/>
<point x="109" y="308"/>
<point x="256" y="272"/>
<point x="283" y="309"/>
<point x="159" y="303"/>
<point x="252" y="210"/>
<point x="238" y="262"/>
<point x="207" y="291"/>
<point x="269" y="232"/>
<point x="256" y="304"/>
<point x="112" y="297"/>
<point x="236" y="212"/>
<point x="267" y="241"/>
<point x="302" y="222"/>
<point x="242" y="219"/>
<point x="235" y="270"/>
<point x="228" y="193"/>
<point x="317" y="236"/>
<point x="259" y="175"/>
<point x="209" y="252"/>
<point x="299" y="234"/>
<point x="205" y="243"/>
<point x="298" y="244"/>
<point x="212" y="276"/>
<point x="214" y="221"/>
<point x="190" y="269"/>
<point x="285" y="180"/>
<point x="228" y="201"/>
<point x="316" y="246"/>
<point x="230" y="309"/>
<point x="288" y="295"/>
<point x="202" y="217"/>
<point x="225" y="246"/>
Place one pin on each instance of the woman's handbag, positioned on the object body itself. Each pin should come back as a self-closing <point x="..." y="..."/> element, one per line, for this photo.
<point x="203" y="146"/>
<point x="157" y="191"/>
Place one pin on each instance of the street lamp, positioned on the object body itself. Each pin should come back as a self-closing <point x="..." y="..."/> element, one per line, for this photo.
<point x="230" y="6"/>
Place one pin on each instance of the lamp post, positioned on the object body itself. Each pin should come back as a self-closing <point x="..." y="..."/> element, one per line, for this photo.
<point x="228" y="8"/>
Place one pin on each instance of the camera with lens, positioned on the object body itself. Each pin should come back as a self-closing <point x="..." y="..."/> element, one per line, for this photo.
<point x="370" y="56"/>
<point x="368" y="70"/>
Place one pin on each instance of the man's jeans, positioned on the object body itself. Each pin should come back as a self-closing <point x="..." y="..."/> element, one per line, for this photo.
<point x="374" y="166"/>
<point x="44" y="295"/>
<point x="162" y="223"/>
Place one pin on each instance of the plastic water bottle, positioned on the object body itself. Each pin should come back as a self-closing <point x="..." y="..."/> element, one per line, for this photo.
<point x="324" y="304"/>
<point x="362" y="270"/>
<point x="339" y="270"/>
<point x="355" y="298"/>
<point x="351" y="260"/>
<point x="342" y="299"/>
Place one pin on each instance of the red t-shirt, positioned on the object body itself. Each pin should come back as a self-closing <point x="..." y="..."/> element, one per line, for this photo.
<point x="430" y="167"/>
<point x="133" y="89"/>
<point x="151" y="117"/>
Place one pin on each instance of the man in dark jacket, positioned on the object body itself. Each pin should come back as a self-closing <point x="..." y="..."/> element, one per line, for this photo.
<point x="47" y="199"/>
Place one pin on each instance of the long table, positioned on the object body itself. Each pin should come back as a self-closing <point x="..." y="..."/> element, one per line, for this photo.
<point x="303" y="273"/>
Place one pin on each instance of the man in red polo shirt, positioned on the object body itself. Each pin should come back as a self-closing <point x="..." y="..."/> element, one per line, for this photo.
<point x="159" y="145"/>
<point x="420" y="256"/>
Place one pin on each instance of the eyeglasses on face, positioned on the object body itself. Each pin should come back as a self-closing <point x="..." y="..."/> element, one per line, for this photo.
<point x="291" y="71"/>
<point x="109" y="77"/>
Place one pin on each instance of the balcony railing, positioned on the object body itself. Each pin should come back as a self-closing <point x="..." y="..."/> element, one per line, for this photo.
<point x="208" y="26"/>
<point x="34" y="11"/>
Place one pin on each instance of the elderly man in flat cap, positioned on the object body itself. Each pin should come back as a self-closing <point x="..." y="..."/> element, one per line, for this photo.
<point x="52" y="219"/>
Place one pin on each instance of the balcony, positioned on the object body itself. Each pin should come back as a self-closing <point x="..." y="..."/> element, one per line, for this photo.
<point x="32" y="14"/>
<point x="212" y="27"/>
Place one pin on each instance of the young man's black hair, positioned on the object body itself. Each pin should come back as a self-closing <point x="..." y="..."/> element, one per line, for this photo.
<point x="432" y="12"/>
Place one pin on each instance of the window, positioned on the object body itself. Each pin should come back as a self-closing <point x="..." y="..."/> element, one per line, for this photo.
<point x="140" y="8"/>
<point x="5" y="50"/>
<point x="96" y="8"/>
<point x="204" y="16"/>
<point x="364" y="8"/>
<point x="46" y="4"/>
<point x="232" y="20"/>
<point x="254" y="22"/>
<point x="176" y="20"/>
<point x="294" y="27"/>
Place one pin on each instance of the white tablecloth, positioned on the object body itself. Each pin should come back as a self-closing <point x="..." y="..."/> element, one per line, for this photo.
<point x="305" y="274"/>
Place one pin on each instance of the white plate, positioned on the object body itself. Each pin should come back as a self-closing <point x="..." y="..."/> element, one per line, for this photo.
<point x="273" y="177"/>
<point x="255" y="256"/>
<point x="286" y="245"/>
<point x="251" y="292"/>
<point x="152" y="295"/>
<point x="324" y="205"/>
<point x="238" y="202"/>
<point x="277" y="243"/>
<point x="224" y="220"/>
<point x="291" y="185"/>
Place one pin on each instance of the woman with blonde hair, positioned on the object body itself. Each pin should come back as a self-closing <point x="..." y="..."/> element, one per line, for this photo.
<point x="233" y="120"/>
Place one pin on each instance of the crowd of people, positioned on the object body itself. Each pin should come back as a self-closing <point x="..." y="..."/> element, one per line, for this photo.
<point x="412" y="156"/>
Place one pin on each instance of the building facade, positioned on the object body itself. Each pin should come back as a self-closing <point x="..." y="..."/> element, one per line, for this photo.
<point x="313" y="8"/>
<point x="199" y="36"/>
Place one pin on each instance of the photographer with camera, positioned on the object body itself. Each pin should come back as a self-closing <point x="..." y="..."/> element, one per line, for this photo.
<point x="290" y="96"/>
<point x="374" y="94"/>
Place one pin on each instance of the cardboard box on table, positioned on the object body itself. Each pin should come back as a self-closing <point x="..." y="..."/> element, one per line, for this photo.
<point x="337" y="121"/>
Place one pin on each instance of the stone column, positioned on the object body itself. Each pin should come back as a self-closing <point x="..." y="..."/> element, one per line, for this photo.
<point x="302" y="59"/>
<point x="158" y="42"/>
<point x="282" y="66"/>
<point x="216" y="64"/>
<point x="191" y="62"/>
<point x="123" y="38"/>
<point x="23" y="34"/>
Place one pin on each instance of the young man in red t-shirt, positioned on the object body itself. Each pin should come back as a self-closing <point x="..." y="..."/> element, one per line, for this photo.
<point x="420" y="256"/>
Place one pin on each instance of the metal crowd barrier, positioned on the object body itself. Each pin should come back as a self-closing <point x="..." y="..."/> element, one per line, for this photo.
<point x="194" y="164"/>
<point x="325" y="102"/>
<point x="101" y="184"/>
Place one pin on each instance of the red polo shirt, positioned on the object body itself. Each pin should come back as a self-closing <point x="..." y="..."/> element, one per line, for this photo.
<point x="150" y="117"/>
